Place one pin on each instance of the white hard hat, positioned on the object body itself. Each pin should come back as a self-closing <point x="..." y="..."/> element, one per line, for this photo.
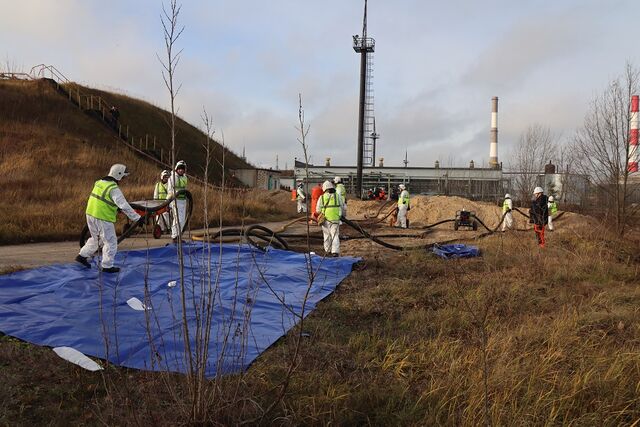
<point x="327" y="185"/>
<point x="507" y="196"/>
<point x="538" y="190"/>
<point x="337" y="179"/>
<point x="551" y="198"/>
<point x="401" y="186"/>
<point x="118" y="171"/>
<point x="181" y="163"/>
<point x="165" y="174"/>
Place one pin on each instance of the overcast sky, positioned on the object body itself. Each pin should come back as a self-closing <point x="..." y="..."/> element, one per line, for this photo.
<point x="437" y="65"/>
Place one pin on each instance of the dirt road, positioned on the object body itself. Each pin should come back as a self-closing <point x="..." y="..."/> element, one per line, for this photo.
<point x="36" y="254"/>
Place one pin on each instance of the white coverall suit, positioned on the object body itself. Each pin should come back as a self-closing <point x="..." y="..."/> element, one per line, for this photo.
<point x="301" y="197"/>
<point x="331" y="229"/>
<point x="508" y="217"/>
<point x="103" y="233"/>
<point x="178" y="206"/>
<point x="402" y="209"/>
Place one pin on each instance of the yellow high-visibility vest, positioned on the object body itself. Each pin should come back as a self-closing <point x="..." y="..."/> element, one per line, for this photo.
<point x="100" y="204"/>
<point x="330" y="207"/>
<point x="161" y="189"/>
<point x="181" y="184"/>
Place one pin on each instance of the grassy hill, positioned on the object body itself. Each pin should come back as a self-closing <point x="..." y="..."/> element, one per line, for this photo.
<point x="51" y="152"/>
<point x="143" y="119"/>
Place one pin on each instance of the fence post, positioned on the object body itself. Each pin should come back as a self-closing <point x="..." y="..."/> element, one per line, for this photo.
<point x="154" y="142"/>
<point x="127" y="131"/>
<point x="119" y="131"/>
<point x="79" y="100"/>
<point x="146" y="141"/>
<point x="162" y="155"/>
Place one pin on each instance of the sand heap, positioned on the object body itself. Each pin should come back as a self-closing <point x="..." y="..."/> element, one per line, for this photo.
<point x="427" y="210"/>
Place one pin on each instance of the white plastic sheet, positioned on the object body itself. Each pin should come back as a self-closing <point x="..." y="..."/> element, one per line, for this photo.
<point x="136" y="304"/>
<point x="74" y="356"/>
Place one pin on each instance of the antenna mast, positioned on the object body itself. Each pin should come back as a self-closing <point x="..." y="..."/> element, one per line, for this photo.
<point x="365" y="46"/>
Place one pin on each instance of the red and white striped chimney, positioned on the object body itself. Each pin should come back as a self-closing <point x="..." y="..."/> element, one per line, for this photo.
<point x="634" y="154"/>
<point x="493" y="147"/>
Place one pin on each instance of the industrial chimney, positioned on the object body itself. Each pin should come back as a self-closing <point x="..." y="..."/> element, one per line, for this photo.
<point x="493" y="150"/>
<point x="381" y="164"/>
<point x="327" y="162"/>
<point x="634" y="153"/>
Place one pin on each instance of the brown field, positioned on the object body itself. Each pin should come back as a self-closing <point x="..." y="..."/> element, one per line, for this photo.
<point x="401" y="342"/>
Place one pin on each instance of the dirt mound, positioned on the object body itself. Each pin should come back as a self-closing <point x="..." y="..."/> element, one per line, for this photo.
<point x="426" y="210"/>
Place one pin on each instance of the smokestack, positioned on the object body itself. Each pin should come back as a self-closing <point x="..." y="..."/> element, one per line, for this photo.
<point x="634" y="153"/>
<point x="493" y="150"/>
<point x="381" y="164"/>
<point x="327" y="162"/>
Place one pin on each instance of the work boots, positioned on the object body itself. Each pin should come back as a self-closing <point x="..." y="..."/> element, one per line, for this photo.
<point x="82" y="260"/>
<point x="110" y="269"/>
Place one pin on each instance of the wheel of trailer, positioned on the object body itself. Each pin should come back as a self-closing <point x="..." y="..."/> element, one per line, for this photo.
<point x="157" y="231"/>
<point x="475" y="225"/>
<point x="456" y="224"/>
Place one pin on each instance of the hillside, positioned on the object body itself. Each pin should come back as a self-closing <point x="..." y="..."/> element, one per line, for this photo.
<point x="146" y="119"/>
<point x="51" y="152"/>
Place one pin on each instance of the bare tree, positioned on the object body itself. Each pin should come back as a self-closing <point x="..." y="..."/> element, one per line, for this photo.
<point x="602" y="145"/>
<point x="536" y="146"/>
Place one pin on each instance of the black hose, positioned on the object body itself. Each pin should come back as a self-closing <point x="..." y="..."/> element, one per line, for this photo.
<point x="268" y="235"/>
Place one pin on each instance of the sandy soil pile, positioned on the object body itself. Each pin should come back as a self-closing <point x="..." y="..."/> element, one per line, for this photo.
<point x="427" y="210"/>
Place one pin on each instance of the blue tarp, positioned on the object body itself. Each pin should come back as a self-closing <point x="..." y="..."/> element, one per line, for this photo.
<point x="257" y="297"/>
<point x="456" y="251"/>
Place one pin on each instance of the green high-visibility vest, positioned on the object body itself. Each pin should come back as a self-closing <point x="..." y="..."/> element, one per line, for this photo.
<point x="505" y="205"/>
<point x="553" y="208"/>
<point x="161" y="189"/>
<point x="403" y="200"/>
<point x="330" y="207"/>
<point x="100" y="204"/>
<point x="341" y="191"/>
<point x="181" y="184"/>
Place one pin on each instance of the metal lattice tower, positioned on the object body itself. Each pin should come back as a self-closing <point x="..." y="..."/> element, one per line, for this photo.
<point x="365" y="46"/>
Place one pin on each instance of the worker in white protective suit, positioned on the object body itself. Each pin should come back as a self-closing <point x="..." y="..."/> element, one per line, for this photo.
<point x="553" y="209"/>
<point x="340" y="188"/>
<point x="160" y="193"/>
<point x="404" y="204"/>
<point x="178" y="182"/>
<point x="507" y="207"/>
<point x="330" y="208"/>
<point x="102" y="209"/>
<point x="301" y="198"/>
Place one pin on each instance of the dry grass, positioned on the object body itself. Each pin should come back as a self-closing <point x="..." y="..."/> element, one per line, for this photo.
<point x="396" y="344"/>
<point x="51" y="154"/>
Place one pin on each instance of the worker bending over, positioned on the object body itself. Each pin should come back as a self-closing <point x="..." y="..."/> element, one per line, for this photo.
<point x="160" y="193"/>
<point x="553" y="209"/>
<point x="404" y="204"/>
<point x="102" y="209"/>
<point x="178" y="181"/>
<point x="301" y="198"/>
<point x="539" y="214"/>
<point x="507" y="207"/>
<point x="330" y="208"/>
